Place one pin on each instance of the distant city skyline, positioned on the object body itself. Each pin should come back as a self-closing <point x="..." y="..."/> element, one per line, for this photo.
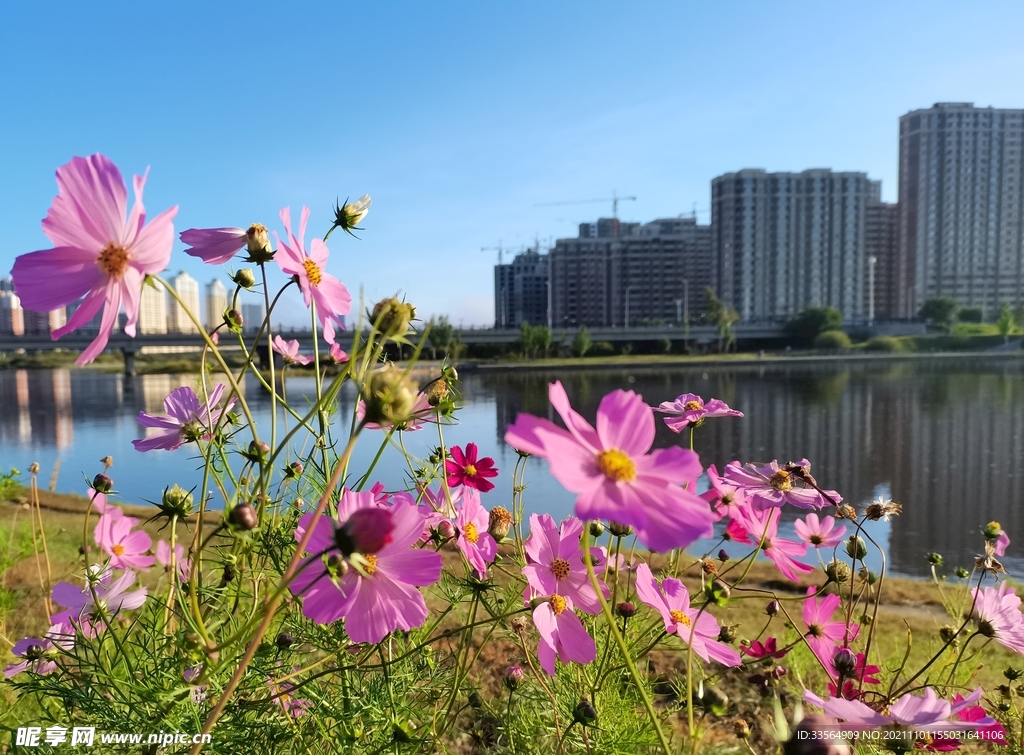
<point x="465" y="123"/>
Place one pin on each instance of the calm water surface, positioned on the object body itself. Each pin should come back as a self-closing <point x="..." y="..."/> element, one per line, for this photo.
<point x="944" y="439"/>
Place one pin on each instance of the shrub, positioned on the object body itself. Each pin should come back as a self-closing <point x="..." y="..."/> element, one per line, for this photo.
<point x="884" y="343"/>
<point x="602" y="349"/>
<point x="832" y="340"/>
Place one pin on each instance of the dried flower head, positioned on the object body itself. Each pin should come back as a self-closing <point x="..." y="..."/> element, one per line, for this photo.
<point x="499" y="523"/>
<point x="881" y="509"/>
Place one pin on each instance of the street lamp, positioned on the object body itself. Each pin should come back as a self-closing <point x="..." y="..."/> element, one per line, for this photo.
<point x="628" y="289"/>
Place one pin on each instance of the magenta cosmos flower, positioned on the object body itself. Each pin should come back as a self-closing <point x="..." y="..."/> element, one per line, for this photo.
<point x="562" y="634"/>
<point x="823" y="635"/>
<point x="691" y="409"/>
<point x="819" y="533"/>
<point x="556" y="562"/>
<point x="771" y="486"/>
<point x="997" y="611"/>
<point x="380" y="598"/>
<point x="185" y="419"/>
<point x="216" y="246"/>
<point x="699" y="630"/>
<point x="470" y="470"/>
<point x="126" y="547"/>
<point x="111" y="597"/>
<point x="332" y="299"/>
<point x="474" y="540"/>
<point x="611" y="471"/>
<point x="289" y="351"/>
<point x="752" y="525"/>
<point x="97" y="254"/>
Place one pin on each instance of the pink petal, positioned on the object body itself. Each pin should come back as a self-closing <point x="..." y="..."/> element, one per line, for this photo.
<point x="578" y="426"/>
<point x="89" y="210"/>
<point x="625" y="422"/>
<point x="151" y="251"/>
<point x="53" y="278"/>
<point x="573" y="641"/>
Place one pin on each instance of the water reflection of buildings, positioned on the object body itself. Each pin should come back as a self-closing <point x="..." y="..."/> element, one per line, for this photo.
<point x="41" y="411"/>
<point x="948" y="441"/>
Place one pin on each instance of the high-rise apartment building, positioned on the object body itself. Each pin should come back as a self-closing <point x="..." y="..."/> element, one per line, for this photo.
<point x="187" y="288"/>
<point x="43" y="323"/>
<point x="521" y="291"/>
<point x="252" y="316"/>
<point x="216" y="303"/>
<point x="152" y="310"/>
<point x="881" y="235"/>
<point x="783" y="242"/>
<point x="961" y="198"/>
<point x="12" y="316"/>
<point x="630" y="274"/>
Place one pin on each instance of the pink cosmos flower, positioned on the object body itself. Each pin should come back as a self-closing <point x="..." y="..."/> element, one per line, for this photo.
<point x="765" y="525"/>
<point x="768" y="649"/>
<point x="111" y="596"/>
<point x="929" y="712"/>
<point x="697" y="629"/>
<point x="469" y="470"/>
<point x="214" y="246"/>
<point x="163" y="557"/>
<point x="32" y="652"/>
<point x="771" y="486"/>
<point x="338" y="356"/>
<point x="99" y="504"/>
<point x="332" y="299"/>
<point x="185" y="419"/>
<point x="380" y="598"/>
<point x="819" y="534"/>
<point x="997" y="611"/>
<point x="562" y="634"/>
<point x="289" y="351"/>
<point x="1002" y="543"/>
<point x="611" y="472"/>
<point x="283" y="695"/>
<point x="96" y="254"/>
<point x="556" y="562"/>
<point x="990" y="730"/>
<point x="126" y="546"/>
<point x="824" y="635"/>
<point x="691" y="409"/>
<point x="474" y="540"/>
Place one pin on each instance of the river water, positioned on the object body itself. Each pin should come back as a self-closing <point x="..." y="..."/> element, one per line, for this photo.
<point x="944" y="438"/>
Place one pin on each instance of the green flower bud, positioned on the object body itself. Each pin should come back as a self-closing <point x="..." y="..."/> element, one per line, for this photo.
<point x="177" y="502"/>
<point x="245" y="278"/>
<point x="992" y="530"/>
<point x="596" y="528"/>
<point x="934" y="559"/>
<point x="393" y="317"/>
<point x="390" y="396"/>
<point x="838" y="571"/>
<point x="856" y="547"/>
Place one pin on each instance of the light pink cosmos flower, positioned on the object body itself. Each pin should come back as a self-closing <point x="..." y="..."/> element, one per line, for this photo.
<point x="997" y="611"/>
<point x="556" y="562"/>
<point x="337" y="354"/>
<point x="126" y="546"/>
<point x="332" y="299"/>
<point x="764" y="525"/>
<point x="611" y="472"/>
<point x="823" y="635"/>
<point x="771" y="486"/>
<point x="562" y="634"/>
<point x="383" y="597"/>
<point x="283" y="695"/>
<point x="111" y="597"/>
<point x="100" y="504"/>
<point x="699" y="630"/>
<point x="185" y="418"/>
<point x="819" y="534"/>
<point x="474" y="540"/>
<point x="691" y="409"/>
<point x="289" y="351"/>
<point x="929" y="713"/>
<point x="1002" y="543"/>
<point x="216" y="246"/>
<point x="96" y="254"/>
<point x="163" y="557"/>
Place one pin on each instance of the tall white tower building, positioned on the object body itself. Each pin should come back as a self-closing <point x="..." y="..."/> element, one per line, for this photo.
<point x="216" y="303"/>
<point x="152" y="310"/>
<point x="188" y="291"/>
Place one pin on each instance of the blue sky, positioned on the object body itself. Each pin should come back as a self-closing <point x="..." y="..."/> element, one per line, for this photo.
<point x="459" y="117"/>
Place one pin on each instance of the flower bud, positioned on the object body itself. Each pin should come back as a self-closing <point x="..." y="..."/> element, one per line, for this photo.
<point x="772" y="608"/>
<point x="961" y="572"/>
<point x="499" y="523"/>
<point x="838" y="571"/>
<point x="102" y="484"/>
<point x="176" y="502"/>
<point x="347" y="217"/>
<point x="33" y="652"/>
<point x="845" y="661"/>
<point x="1012" y="674"/>
<point x="283" y="641"/>
<point x="258" y="451"/>
<point x="257" y="242"/>
<point x="513" y="677"/>
<point x="584" y="713"/>
<point x="446" y="530"/>
<point x="856" y="547"/>
<point x="846" y="511"/>
<point x="620" y="530"/>
<point x="947" y="632"/>
<point x="519" y="624"/>
<point x="992" y="530"/>
<point x="625" y="610"/>
<point x="243" y="517"/>
<point x="245" y="278"/>
<point x="390" y="396"/>
<point x="867" y="575"/>
<point x="437" y="391"/>
<point x="33" y="468"/>
<point x="934" y="559"/>
<point x="228" y="574"/>
<point x="596" y="527"/>
<point x="727" y="633"/>
<point x="366" y="532"/>
<point x="293" y="470"/>
<point x="233" y="320"/>
<point x="393" y="317"/>
<point x="723" y="556"/>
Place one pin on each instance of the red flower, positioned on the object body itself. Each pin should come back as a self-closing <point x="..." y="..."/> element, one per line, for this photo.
<point x="862" y="672"/>
<point x="466" y="469"/>
<point x="770" y="649"/>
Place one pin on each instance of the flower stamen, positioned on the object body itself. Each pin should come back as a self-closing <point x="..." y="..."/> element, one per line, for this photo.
<point x="470" y="532"/>
<point x="616" y="465"/>
<point x="558" y="604"/>
<point x="312" y="271"/>
<point x="680" y="618"/>
<point x="781" y="481"/>
<point x="560" y="568"/>
<point x="113" y="260"/>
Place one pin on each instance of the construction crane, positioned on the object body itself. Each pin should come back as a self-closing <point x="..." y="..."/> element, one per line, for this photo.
<point x="614" y="199"/>
<point x="500" y="249"/>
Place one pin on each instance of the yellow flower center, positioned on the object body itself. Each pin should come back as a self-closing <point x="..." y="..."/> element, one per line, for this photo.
<point x="113" y="260"/>
<point x="470" y="532"/>
<point x="680" y="618"/>
<point x="370" y="565"/>
<point x="558" y="604"/>
<point x="692" y="406"/>
<point x="781" y="481"/>
<point x="118" y="550"/>
<point x="813" y="630"/>
<point x="312" y="271"/>
<point x="470" y="470"/>
<point x="560" y="568"/>
<point x="616" y="465"/>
